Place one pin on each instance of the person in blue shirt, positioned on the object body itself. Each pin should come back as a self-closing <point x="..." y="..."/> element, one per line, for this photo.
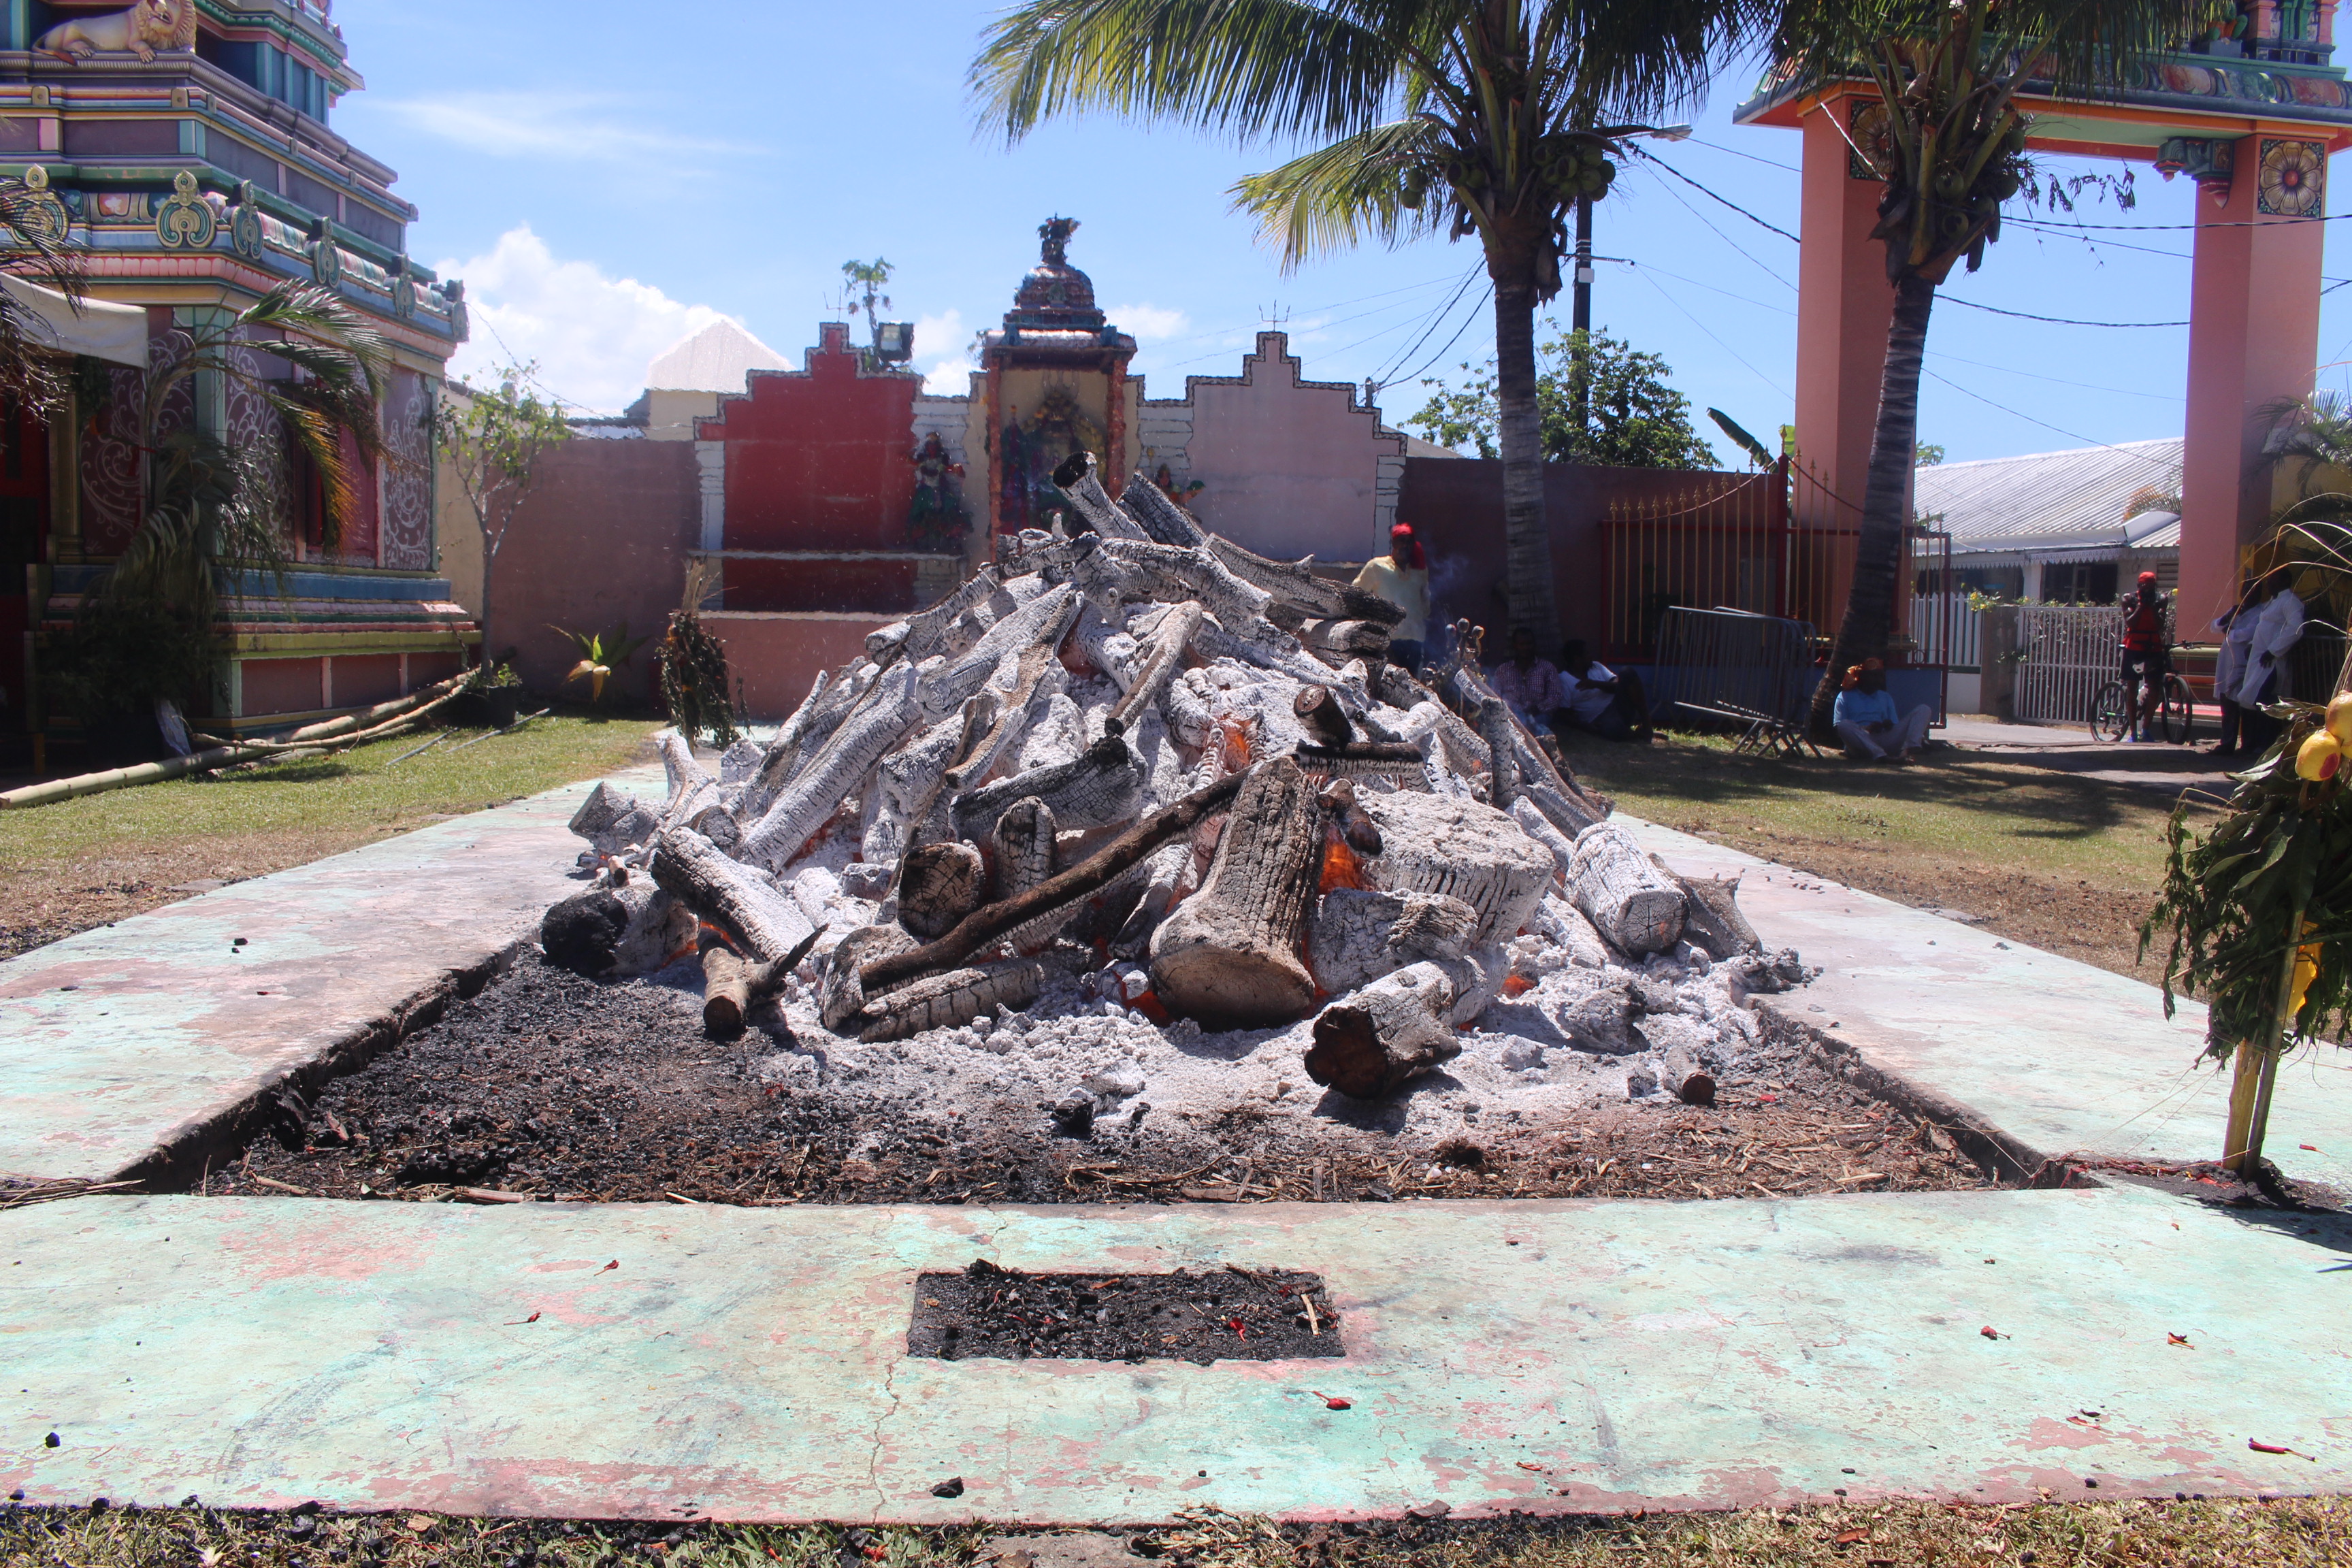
<point x="1866" y="721"/>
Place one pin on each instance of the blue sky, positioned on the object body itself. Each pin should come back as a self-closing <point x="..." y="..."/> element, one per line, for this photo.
<point x="609" y="178"/>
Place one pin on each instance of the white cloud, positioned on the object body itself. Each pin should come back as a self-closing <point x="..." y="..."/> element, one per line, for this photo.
<point x="584" y="126"/>
<point x="943" y="353"/>
<point x="592" y="334"/>
<point x="1145" y="322"/>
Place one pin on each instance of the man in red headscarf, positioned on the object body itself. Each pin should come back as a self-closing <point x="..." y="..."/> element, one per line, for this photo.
<point x="1868" y="723"/>
<point x="2148" y="655"/>
<point x="1402" y="577"/>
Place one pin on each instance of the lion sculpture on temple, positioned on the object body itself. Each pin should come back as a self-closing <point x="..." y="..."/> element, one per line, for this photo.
<point x="147" y="26"/>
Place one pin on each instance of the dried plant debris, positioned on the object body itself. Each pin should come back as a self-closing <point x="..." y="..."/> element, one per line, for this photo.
<point x="1223" y="1314"/>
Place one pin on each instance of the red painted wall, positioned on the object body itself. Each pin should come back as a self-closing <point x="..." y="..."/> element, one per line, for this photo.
<point x="777" y="655"/>
<point x="818" y="458"/>
<point x="600" y="539"/>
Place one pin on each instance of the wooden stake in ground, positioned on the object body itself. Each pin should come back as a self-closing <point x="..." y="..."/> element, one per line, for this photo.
<point x="1229" y="954"/>
<point x="1386" y="1035"/>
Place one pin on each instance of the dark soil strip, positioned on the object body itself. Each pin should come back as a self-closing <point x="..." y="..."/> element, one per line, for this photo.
<point x="554" y="1087"/>
<point x="1225" y="1314"/>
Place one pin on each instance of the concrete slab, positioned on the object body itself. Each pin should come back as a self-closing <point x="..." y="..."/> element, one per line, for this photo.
<point x="2062" y="1058"/>
<point x="2164" y="769"/>
<point x="138" y="1046"/>
<point x="750" y="1364"/>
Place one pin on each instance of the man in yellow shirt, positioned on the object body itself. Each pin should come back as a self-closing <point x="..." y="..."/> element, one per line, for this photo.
<point x="1402" y="577"/>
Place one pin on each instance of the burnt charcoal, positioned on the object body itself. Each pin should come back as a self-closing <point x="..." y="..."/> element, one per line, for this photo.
<point x="447" y="1166"/>
<point x="581" y="932"/>
<point x="1225" y="1314"/>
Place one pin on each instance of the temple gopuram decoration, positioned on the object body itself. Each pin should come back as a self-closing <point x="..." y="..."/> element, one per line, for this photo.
<point x="187" y="147"/>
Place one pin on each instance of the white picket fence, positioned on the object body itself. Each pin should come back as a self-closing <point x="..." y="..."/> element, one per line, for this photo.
<point x="1948" y="632"/>
<point x="2069" y="652"/>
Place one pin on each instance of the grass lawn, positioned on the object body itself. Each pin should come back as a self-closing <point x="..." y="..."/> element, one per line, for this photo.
<point x="2070" y="865"/>
<point x="82" y="863"/>
<point x="2188" y="1534"/>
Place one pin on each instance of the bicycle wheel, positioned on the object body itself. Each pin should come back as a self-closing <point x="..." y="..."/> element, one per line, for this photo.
<point x="2110" y="720"/>
<point x="2178" y="714"/>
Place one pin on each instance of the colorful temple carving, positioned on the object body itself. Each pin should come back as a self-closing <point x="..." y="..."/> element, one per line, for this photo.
<point x="188" y="147"/>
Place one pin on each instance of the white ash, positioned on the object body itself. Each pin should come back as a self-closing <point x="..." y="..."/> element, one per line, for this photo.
<point x="1526" y="1061"/>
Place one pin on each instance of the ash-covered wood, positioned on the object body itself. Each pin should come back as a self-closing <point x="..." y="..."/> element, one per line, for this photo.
<point x="1464" y="850"/>
<point x="1712" y="920"/>
<point x="881" y="719"/>
<point x="1682" y="1075"/>
<point x="1023" y="840"/>
<point x="611" y="821"/>
<point x="1229" y="954"/>
<point x="1160" y="663"/>
<point x="1076" y="479"/>
<point x="1325" y="720"/>
<point x="938" y="884"/>
<point x="945" y="1001"/>
<point x="759" y="919"/>
<point x="1385" y="1036"/>
<point x="1636" y="906"/>
<point x="1359" y="935"/>
<point x="1102" y="786"/>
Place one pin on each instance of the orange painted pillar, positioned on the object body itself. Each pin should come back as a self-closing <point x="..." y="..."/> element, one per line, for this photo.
<point x="1843" y="306"/>
<point x="2254" y="339"/>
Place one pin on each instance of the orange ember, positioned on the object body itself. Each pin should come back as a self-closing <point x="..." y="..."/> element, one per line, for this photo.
<point x="1342" y="867"/>
<point x="1238" y="750"/>
<point x="1517" y="985"/>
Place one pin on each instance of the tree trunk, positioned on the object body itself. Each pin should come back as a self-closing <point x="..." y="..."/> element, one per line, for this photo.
<point x="1629" y="901"/>
<point x="1229" y="954"/>
<point x="1386" y="1035"/>
<point x="1361" y="936"/>
<point x="1879" y="555"/>
<point x="1527" y="534"/>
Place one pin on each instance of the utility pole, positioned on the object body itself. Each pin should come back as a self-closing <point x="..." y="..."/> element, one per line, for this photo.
<point x="1580" y="318"/>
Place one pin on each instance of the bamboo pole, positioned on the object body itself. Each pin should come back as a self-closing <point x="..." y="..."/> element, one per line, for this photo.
<point x="56" y="790"/>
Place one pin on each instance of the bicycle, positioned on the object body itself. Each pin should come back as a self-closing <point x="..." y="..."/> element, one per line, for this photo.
<point x="2176" y="713"/>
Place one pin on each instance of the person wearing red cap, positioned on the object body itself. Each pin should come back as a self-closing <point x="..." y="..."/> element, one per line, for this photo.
<point x="2148" y="654"/>
<point x="1402" y="577"/>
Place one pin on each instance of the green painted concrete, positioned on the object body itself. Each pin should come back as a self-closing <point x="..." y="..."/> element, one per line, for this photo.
<point x="750" y="1364"/>
<point x="2066" y="1058"/>
<point x="138" y="1035"/>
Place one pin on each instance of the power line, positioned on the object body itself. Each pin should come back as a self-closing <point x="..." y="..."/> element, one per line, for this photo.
<point x="2233" y="223"/>
<point x="1761" y="305"/>
<point x="2055" y="321"/>
<point x="1767" y="162"/>
<point x="1733" y="244"/>
<point x="1702" y="326"/>
<point x="2029" y="419"/>
<point x="1456" y="338"/>
<point x="1380" y="377"/>
<point x="1727" y="201"/>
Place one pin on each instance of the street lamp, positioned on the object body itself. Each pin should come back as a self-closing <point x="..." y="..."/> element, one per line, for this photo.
<point x="1580" y="302"/>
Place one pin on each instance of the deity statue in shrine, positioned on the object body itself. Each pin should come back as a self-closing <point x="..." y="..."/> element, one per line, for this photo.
<point x="1180" y="491"/>
<point x="1033" y="448"/>
<point x="935" y="519"/>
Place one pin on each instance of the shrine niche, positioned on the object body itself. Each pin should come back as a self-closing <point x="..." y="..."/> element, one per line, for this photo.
<point x="935" y="518"/>
<point x="1055" y="384"/>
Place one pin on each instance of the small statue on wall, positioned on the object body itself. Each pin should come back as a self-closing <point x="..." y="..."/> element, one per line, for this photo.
<point x="1180" y="491"/>
<point x="144" y="29"/>
<point x="936" y="520"/>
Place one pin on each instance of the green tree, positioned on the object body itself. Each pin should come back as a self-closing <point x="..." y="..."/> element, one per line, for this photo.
<point x="1635" y="420"/>
<point x="1949" y="141"/>
<point x="492" y="440"/>
<point x="212" y="511"/>
<point x="1487" y="119"/>
<point x="1928" y="454"/>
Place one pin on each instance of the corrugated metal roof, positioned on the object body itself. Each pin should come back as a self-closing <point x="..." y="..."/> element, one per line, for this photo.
<point x="2049" y="500"/>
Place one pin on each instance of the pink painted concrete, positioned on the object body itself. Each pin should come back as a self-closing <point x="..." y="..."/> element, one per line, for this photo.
<point x="1290" y="466"/>
<point x="601" y="540"/>
<point x="2254" y="339"/>
<point x="1843" y="306"/>
<point x="777" y="655"/>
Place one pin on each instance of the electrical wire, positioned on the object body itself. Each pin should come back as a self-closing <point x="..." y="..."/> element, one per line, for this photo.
<point x="1380" y="377"/>
<point x="2054" y="321"/>
<point x="1454" y="339"/>
<point x="1644" y="274"/>
<point x="1695" y="284"/>
<point x="2233" y="223"/>
<point x="2029" y="419"/>
<point x="1734" y="244"/>
<point x="1222" y="351"/>
<point x="1767" y="162"/>
<point x="1727" y="201"/>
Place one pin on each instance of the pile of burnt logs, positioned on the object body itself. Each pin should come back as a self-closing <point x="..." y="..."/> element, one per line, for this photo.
<point x="1138" y="743"/>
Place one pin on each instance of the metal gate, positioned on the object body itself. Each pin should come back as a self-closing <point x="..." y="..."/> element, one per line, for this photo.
<point x="2068" y="652"/>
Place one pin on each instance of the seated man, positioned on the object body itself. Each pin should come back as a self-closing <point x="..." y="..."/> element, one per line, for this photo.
<point x="1866" y="721"/>
<point x="1600" y="701"/>
<point x="1530" y="685"/>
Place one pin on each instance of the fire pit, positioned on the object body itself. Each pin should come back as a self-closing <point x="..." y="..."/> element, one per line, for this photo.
<point x="1130" y="870"/>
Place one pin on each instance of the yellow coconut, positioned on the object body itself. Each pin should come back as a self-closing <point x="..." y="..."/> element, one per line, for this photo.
<point x="2319" y="757"/>
<point x="2339" y="718"/>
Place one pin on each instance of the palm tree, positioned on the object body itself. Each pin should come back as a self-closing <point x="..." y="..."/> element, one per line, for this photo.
<point x="1950" y="146"/>
<point x="1488" y="119"/>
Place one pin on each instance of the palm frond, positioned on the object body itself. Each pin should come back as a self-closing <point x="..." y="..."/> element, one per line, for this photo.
<point x="1356" y="188"/>
<point x="1255" y="69"/>
<point x="323" y="334"/>
<point x="2085" y="47"/>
